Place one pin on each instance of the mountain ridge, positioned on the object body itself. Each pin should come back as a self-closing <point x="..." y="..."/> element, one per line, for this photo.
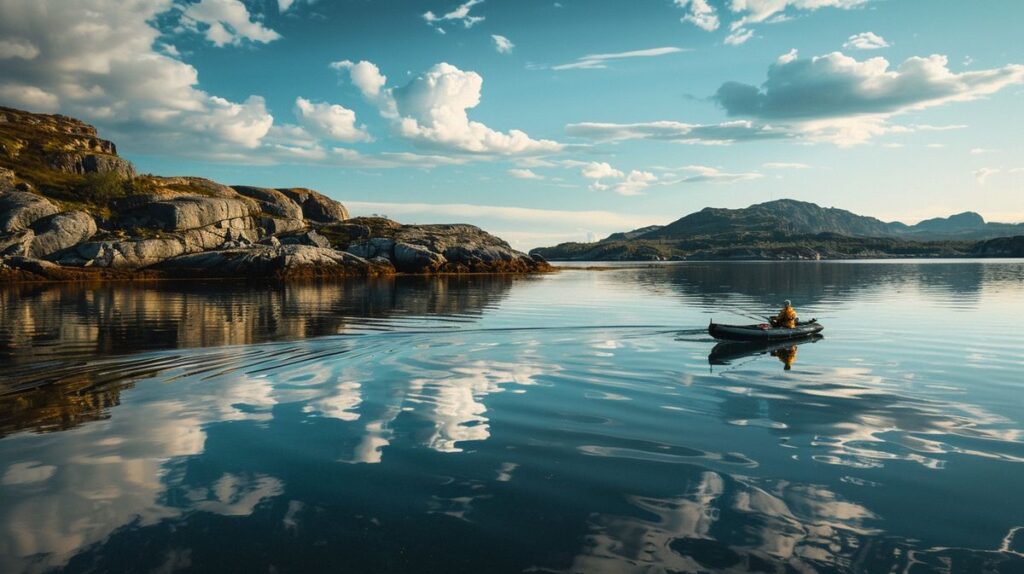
<point x="790" y="229"/>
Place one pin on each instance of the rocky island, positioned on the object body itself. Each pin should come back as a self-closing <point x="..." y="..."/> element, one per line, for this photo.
<point x="72" y="209"/>
<point x="787" y="229"/>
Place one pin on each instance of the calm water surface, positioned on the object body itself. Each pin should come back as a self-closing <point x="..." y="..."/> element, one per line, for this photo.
<point x="565" y="423"/>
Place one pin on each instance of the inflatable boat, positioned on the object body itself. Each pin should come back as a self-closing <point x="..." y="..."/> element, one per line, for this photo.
<point x="764" y="331"/>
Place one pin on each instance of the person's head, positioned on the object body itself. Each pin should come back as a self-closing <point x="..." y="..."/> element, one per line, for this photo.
<point x="787" y="303"/>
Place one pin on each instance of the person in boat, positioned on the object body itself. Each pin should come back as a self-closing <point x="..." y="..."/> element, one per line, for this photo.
<point x="787" y="355"/>
<point x="787" y="316"/>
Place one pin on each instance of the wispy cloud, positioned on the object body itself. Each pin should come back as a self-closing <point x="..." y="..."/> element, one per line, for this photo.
<point x="520" y="173"/>
<point x="703" y="173"/>
<point x="600" y="61"/>
<point x="866" y="41"/>
<point x="449" y="211"/>
<point x="711" y="134"/>
<point x="502" y="44"/>
<point x="785" y="165"/>
<point x="984" y="173"/>
<point x="460" y="14"/>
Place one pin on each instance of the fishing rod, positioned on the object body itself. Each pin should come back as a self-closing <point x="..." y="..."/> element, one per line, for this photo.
<point x="758" y="318"/>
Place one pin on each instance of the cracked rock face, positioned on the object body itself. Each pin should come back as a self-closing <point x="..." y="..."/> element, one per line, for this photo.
<point x="60" y="232"/>
<point x="267" y="261"/>
<point x="272" y="201"/>
<point x="193" y="212"/>
<point x="84" y="163"/>
<point x="317" y="207"/>
<point x="128" y="254"/>
<point x="20" y="209"/>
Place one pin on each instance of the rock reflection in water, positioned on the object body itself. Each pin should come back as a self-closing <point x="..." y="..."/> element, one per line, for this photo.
<point x="68" y="321"/>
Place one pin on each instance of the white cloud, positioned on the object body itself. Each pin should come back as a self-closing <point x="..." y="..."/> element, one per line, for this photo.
<point x="748" y="12"/>
<point x="785" y="165"/>
<point x="389" y="160"/>
<point x="701" y="14"/>
<point x="739" y="36"/>
<point x="101" y="64"/>
<point x="17" y="48"/>
<point x="600" y="61"/>
<point x="520" y="173"/>
<point x="330" y="120"/>
<point x="634" y="183"/>
<point x="703" y="173"/>
<point x="836" y="85"/>
<point x="460" y="14"/>
<point x="502" y="44"/>
<point x="984" y="173"/>
<point x="839" y="99"/>
<point x="600" y="170"/>
<point x="865" y="41"/>
<point x="364" y="75"/>
<point x="433" y="113"/>
<point x="226" y="22"/>
<point x="757" y="11"/>
<point x="712" y="134"/>
<point x="981" y="151"/>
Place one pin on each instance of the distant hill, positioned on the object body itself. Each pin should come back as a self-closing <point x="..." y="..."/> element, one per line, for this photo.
<point x="789" y="229"/>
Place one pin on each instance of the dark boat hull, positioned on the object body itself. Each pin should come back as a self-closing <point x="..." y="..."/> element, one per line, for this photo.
<point x="756" y="333"/>
<point x="726" y="352"/>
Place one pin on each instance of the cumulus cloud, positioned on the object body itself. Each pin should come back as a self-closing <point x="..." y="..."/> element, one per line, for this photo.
<point x="101" y="64"/>
<point x="634" y="183"/>
<point x="520" y="173"/>
<point x="433" y="113"/>
<point x="364" y="75"/>
<point x="226" y="22"/>
<point x="600" y="61"/>
<point x="700" y="14"/>
<point x="330" y="120"/>
<point x="838" y="98"/>
<point x="836" y="85"/>
<point x="17" y="48"/>
<point x="711" y="134"/>
<point x="600" y="170"/>
<point x="461" y="14"/>
<point x="603" y="176"/>
<point x="865" y="41"/>
<point x="502" y="44"/>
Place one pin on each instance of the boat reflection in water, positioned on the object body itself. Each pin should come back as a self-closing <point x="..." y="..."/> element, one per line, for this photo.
<point x="728" y="352"/>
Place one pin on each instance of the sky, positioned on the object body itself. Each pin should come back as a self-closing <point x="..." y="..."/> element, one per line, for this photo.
<point x="546" y="121"/>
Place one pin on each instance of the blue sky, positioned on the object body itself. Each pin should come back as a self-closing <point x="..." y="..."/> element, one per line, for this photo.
<point x="548" y="121"/>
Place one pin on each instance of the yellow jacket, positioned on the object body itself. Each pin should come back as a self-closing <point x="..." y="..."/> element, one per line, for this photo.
<point x="786" y="318"/>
